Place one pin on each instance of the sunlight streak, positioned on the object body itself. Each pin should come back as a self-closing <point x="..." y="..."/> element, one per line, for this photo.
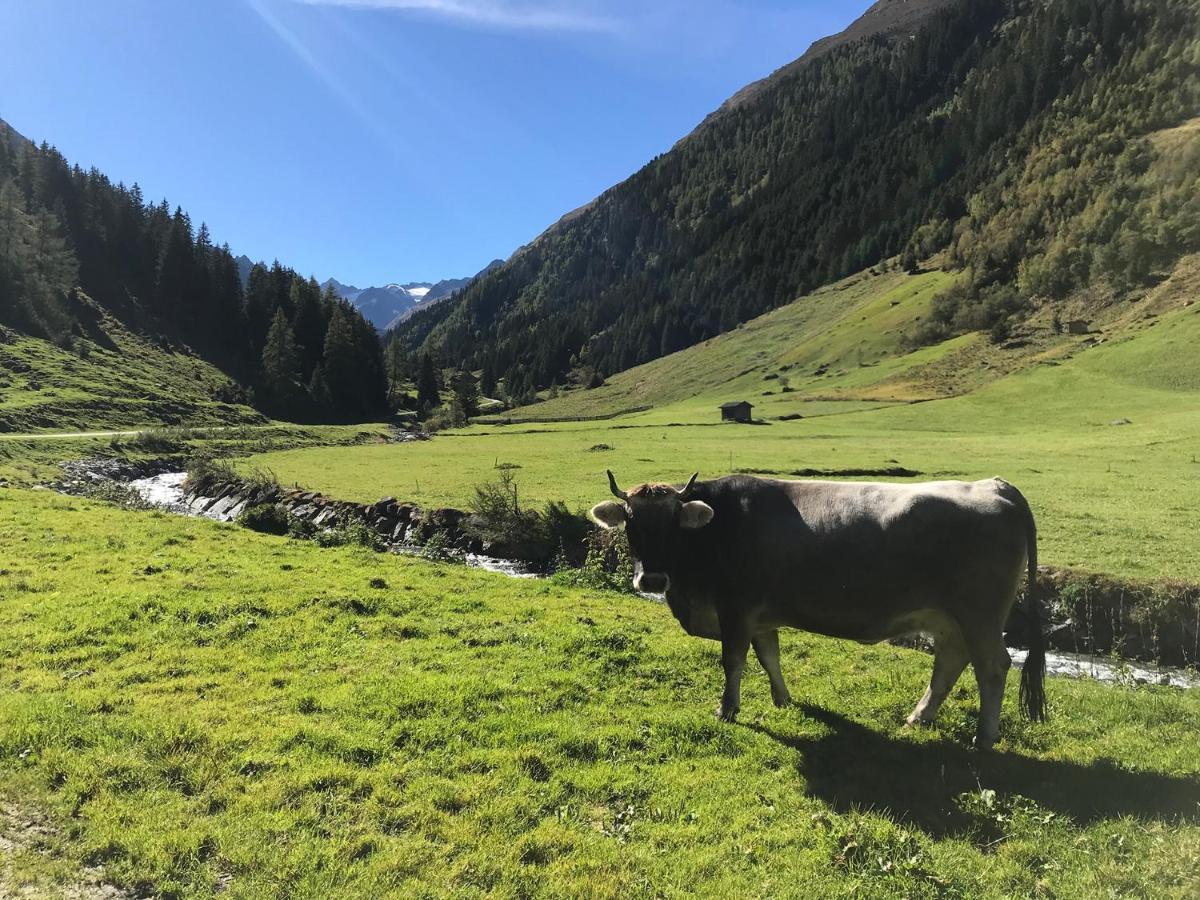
<point x="489" y="13"/>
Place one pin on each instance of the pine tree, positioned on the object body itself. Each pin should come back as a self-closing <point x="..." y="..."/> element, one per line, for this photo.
<point x="396" y="362"/>
<point x="341" y="365"/>
<point x="466" y="392"/>
<point x="487" y="376"/>
<point x="428" y="396"/>
<point x="260" y="305"/>
<point x="318" y="390"/>
<point x="281" y="367"/>
<point x="175" y="277"/>
<point x="309" y="323"/>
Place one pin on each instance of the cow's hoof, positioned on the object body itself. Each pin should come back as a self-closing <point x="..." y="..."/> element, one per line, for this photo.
<point x="983" y="743"/>
<point x="781" y="702"/>
<point x="727" y="715"/>
<point x="917" y="722"/>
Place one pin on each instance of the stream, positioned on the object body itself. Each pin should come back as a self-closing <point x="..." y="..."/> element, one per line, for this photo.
<point x="165" y="491"/>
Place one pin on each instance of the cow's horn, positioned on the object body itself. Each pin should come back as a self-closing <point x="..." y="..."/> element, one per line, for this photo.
<point x="687" y="488"/>
<point x="612" y="486"/>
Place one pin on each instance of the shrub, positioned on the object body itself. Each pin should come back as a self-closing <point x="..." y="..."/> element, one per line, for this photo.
<point x="351" y="534"/>
<point x="500" y="519"/>
<point x="204" y="471"/>
<point x="300" y="528"/>
<point x="160" y="440"/>
<point x="114" y="492"/>
<point x="511" y="530"/>
<point x="437" y="547"/>
<point x="268" y="518"/>
<point x="608" y="565"/>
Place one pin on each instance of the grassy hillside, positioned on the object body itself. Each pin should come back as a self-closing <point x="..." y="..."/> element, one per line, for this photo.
<point x="198" y="708"/>
<point x="855" y="332"/>
<point x="110" y="378"/>
<point x="1113" y="498"/>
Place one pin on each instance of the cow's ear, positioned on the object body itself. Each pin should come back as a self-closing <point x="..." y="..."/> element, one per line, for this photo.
<point x="695" y="514"/>
<point x="609" y="514"/>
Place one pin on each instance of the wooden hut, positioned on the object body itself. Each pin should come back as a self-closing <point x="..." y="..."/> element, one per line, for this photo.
<point x="736" y="411"/>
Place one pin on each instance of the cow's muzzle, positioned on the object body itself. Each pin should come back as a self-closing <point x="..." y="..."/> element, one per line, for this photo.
<point x="652" y="582"/>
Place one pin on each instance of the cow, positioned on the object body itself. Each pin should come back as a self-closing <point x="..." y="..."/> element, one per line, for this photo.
<point x="739" y="557"/>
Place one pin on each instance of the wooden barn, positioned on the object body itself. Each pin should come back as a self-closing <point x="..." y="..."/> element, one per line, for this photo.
<point x="736" y="411"/>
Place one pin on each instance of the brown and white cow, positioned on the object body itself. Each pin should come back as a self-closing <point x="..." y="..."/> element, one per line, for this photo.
<point x="739" y="557"/>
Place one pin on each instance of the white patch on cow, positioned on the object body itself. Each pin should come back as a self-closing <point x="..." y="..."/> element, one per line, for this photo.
<point x="695" y="514"/>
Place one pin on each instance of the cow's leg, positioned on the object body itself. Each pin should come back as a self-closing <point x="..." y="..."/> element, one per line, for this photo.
<point x="991" y="661"/>
<point x="949" y="660"/>
<point x="735" y="644"/>
<point x="766" y="648"/>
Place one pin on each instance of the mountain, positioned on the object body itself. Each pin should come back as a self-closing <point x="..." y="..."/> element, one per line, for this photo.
<point x="1009" y="135"/>
<point x="386" y="307"/>
<point x="383" y="305"/>
<point x="244" y="265"/>
<point x="12" y="137"/>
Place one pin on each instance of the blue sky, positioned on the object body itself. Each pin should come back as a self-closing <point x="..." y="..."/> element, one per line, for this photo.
<point x="382" y="140"/>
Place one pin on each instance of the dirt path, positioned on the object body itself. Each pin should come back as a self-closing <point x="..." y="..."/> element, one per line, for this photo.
<point x="27" y="833"/>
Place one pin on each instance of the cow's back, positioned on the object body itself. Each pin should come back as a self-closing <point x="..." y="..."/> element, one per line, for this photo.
<point x="843" y="557"/>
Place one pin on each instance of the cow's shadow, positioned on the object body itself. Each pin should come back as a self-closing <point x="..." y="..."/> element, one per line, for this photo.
<point x="852" y="767"/>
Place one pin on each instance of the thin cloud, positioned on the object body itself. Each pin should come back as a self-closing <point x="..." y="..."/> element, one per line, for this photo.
<point x="489" y="13"/>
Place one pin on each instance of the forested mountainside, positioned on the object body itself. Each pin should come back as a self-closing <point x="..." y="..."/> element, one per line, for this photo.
<point x="75" y="247"/>
<point x="1010" y="134"/>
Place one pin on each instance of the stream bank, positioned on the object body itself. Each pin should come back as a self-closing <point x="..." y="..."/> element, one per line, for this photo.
<point x="1103" y="628"/>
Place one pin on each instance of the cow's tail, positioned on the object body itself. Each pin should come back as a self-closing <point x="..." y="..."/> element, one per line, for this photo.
<point x="1033" y="673"/>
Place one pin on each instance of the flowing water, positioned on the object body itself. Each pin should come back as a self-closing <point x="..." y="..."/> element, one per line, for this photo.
<point x="166" y="492"/>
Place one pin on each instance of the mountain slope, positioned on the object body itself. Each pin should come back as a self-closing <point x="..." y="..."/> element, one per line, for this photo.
<point x="111" y="378"/>
<point x="886" y="17"/>
<point x="879" y="142"/>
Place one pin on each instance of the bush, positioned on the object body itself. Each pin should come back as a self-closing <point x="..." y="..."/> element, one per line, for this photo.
<point x="608" y="565"/>
<point x="267" y="518"/>
<point x="350" y="535"/>
<point x="510" y="530"/>
<point x="500" y="520"/>
<point x="114" y="492"/>
<point x="160" y="440"/>
<point x="299" y="528"/>
<point x="204" y="471"/>
<point x="437" y="547"/>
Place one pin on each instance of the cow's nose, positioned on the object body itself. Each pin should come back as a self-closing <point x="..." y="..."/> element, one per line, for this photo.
<point x="653" y="582"/>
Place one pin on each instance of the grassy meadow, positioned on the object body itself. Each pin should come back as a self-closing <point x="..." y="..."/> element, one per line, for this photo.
<point x="111" y="379"/>
<point x="197" y="707"/>
<point x="1104" y="438"/>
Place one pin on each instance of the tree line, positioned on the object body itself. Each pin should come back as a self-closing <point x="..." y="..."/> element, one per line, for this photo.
<point x="302" y="353"/>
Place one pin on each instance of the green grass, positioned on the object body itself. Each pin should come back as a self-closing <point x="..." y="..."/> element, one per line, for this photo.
<point x="1114" y="499"/>
<point x="193" y="703"/>
<point x="116" y="380"/>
